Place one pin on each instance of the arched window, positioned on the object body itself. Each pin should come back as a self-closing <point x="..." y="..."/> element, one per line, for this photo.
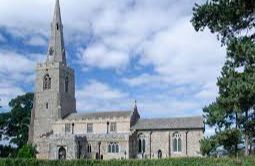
<point x="46" y="82"/>
<point x="117" y="148"/>
<point x="62" y="153"/>
<point x="143" y="145"/>
<point x="177" y="142"/>
<point x="89" y="148"/>
<point x="139" y="145"/>
<point x="66" y="84"/>
<point x="113" y="147"/>
<point x="109" y="148"/>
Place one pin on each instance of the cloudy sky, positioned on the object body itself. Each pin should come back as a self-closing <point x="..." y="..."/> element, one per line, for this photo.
<point x="121" y="50"/>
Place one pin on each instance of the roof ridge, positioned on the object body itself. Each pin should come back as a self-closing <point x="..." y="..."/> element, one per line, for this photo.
<point x="186" y="117"/>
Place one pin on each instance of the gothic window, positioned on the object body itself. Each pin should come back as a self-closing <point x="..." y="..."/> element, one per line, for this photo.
<point x="113" y="147"/>
<point x="46" y="82"/>
<point x="62" y="153"/>
<point x="141" y="145"/>
<point x="57" y="26"/>
<point x="109" y="148"/>
<point x="47" y="105"/>
<point x="113" y="127"/>
<point x="177" y="142"/>
<point x="89" y="148"/>
<point x="67" y="128"/>
<point x="90" y="128"/>
<point x="66" y="84"/>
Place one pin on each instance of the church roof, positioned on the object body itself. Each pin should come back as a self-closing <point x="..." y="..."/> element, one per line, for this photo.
<point x="170" y="123"/>
<point x="98" y="115"/>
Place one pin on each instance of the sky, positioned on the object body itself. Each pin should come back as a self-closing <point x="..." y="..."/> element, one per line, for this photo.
<point x="121" y="50"/>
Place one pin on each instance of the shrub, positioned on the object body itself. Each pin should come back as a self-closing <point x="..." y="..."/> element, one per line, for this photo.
<point x="27" y="151"/>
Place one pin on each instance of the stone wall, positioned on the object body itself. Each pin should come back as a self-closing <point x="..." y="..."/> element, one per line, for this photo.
<point x="163" y="140"/>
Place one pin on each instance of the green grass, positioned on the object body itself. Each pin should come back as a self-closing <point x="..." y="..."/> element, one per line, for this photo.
<point x="164" y="162"/>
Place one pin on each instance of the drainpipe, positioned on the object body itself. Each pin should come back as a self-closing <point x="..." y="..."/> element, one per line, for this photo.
<point x="186" y="143"/>
<point x="169" y="144"/>
<point x="150" y="143"/>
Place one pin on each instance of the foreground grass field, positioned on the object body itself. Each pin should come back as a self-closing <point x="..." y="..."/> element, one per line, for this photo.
<point x="163" y="162"/>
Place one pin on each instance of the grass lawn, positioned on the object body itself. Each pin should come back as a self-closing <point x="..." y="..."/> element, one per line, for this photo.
<point x="163" y="162"/>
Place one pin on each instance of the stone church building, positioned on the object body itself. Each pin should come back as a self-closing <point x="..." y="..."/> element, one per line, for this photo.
<point x="59" y="132"/>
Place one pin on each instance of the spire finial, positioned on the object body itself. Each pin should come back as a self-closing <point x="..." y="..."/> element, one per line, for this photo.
<point x="135" y="106"/>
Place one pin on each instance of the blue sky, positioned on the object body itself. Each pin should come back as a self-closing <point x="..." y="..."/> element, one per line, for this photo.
<point x="121" y="50"/>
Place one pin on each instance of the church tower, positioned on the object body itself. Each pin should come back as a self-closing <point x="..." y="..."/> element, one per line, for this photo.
<point x="55" y="85"/>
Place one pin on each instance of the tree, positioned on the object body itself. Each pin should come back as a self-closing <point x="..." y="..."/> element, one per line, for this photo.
<point x="14" y="125"/>
<point x="233" y="21"/>
<point x="207" y="145"/>
<point x="27" y="151"/>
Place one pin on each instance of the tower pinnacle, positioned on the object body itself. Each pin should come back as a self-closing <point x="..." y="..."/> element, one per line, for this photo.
<point x="56" y="50"/>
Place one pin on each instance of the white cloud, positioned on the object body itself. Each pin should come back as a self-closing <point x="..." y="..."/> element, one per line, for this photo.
<point x="15" y="71"/>
<point x="8" y="91"/>
<point x="103" y="57"/>
<point x="98" y="96"/>
<point x="36" y="41"/>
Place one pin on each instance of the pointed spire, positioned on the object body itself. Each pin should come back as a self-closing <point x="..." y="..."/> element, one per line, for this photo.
<point x="135" y="106"/>
<point x="56" y="50"/>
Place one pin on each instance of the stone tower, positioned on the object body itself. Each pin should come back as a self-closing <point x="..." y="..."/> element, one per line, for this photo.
<point x="55" y="86"/>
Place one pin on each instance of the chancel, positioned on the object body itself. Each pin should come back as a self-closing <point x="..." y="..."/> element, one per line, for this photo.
<point x="59" y="132"/>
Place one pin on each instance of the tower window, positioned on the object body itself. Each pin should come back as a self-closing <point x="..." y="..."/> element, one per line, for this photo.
<point x="57" y="26"/>
<point x="47" y="105"/>
<point x="66" y="84"/>
<point x="46" y="82"/>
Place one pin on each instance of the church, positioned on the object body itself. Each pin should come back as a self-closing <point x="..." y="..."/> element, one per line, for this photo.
<point x="59" y="132"/>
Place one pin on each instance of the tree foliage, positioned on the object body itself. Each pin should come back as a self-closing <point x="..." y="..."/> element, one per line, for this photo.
<point x="234" y="23"/>
<point x="14" y="125"/>
<point x="27" y="151"/>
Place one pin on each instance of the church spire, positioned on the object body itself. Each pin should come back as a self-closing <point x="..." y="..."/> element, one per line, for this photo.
<point x="56" y="50"/>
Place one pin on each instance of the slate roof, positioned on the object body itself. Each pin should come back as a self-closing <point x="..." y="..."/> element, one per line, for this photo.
<point x="98" y="115"/>
<point x="170" y="123"/>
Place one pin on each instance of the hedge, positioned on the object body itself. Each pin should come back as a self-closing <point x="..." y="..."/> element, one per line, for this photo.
<point x="163" y="162"/>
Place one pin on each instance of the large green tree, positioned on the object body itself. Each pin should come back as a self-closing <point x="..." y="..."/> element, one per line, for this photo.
<point x="234" y="23"/>
<point x="14" y="125"/>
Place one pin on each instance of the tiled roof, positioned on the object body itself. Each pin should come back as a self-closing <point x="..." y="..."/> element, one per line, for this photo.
<point x="170" y="123"/>
<point x="97" y="115"/>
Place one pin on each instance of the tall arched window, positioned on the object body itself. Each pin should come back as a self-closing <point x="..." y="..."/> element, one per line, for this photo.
<point x="177" y="142"/>
<point x="141" y="145"/>
<point x="46" y="82"/>
<point x="66" y="84"/>
<point x="89" y="148"/>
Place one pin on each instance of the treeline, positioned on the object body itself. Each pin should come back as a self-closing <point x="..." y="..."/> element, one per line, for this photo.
<point x="233" y="112"/>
